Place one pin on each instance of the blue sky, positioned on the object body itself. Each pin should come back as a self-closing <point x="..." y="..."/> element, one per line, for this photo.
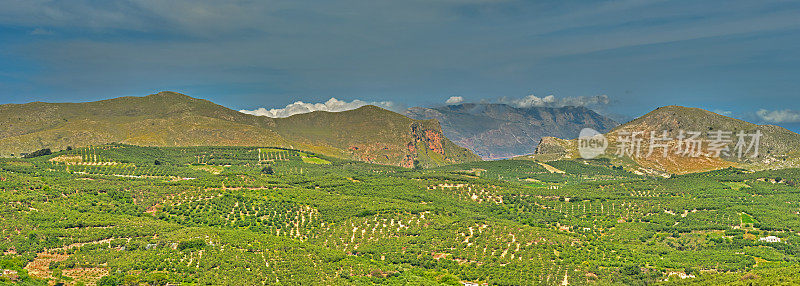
<point x="741" y="58"/>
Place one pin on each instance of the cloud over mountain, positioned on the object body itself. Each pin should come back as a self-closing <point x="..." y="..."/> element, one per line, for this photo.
<point x="552" y="101"/>
<point x="455" y="100"/>
<point x="332" y="105"/>
<point x="779" y="116"/>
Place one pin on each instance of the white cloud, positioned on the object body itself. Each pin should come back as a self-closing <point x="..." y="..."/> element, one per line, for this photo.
<point x="41" y="32"/>
<point x="532" y="100"/>
<point x="455" y="100"/>
<point x="723" y="112"/>
<point x="332" y="105"/>
<point x="552" y="101"/>
<point x="779" y="116"/>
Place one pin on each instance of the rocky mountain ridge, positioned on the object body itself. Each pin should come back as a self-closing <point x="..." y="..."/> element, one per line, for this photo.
<point x="496" y="131"/>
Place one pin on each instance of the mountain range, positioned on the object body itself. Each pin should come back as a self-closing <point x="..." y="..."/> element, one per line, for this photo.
<point x="497" y="131"/>
<point x="372" y="134"/>
<point x="369" y="133"/>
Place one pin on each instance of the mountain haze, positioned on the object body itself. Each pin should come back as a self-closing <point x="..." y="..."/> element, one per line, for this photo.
<point x="496" y="131"/>
<point x="368" y="133"/>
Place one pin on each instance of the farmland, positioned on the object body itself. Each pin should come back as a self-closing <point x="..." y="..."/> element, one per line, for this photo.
<point x="126" y="215"/>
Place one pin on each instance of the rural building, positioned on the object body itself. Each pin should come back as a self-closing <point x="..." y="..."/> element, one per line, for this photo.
<point x="770" y="238"/>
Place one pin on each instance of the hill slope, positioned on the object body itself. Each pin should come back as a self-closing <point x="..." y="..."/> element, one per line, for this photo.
<point x="777" y="147"/>
<point x="172" y="119"/>
<point x="495" y="131"/>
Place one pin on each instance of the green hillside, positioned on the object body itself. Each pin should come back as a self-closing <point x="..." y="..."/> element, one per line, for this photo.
<point x="172" y="119"/>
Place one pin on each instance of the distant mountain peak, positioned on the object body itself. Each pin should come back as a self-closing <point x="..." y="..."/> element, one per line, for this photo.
<point x="167" y="93"/>
<point x="497" y="130"/>
<point x="370" y="108"/>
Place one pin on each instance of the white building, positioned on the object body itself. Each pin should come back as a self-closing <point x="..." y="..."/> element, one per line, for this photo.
<point x="770" y="238"/>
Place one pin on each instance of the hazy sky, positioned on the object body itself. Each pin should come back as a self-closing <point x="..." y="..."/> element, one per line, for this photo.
<point x="737" y="57"/>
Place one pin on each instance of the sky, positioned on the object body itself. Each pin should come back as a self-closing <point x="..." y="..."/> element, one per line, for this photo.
<point x="623" y="58"/>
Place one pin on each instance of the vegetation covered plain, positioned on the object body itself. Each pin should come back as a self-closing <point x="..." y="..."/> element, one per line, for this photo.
<point x="127" y="215"/>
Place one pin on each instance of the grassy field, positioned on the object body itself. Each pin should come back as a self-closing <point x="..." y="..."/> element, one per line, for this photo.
<point x="747" y="219"/>
<point x="736" y="185"/>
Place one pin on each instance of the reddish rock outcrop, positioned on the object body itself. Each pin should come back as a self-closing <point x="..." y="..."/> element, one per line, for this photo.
<point x="432" y="139"/>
